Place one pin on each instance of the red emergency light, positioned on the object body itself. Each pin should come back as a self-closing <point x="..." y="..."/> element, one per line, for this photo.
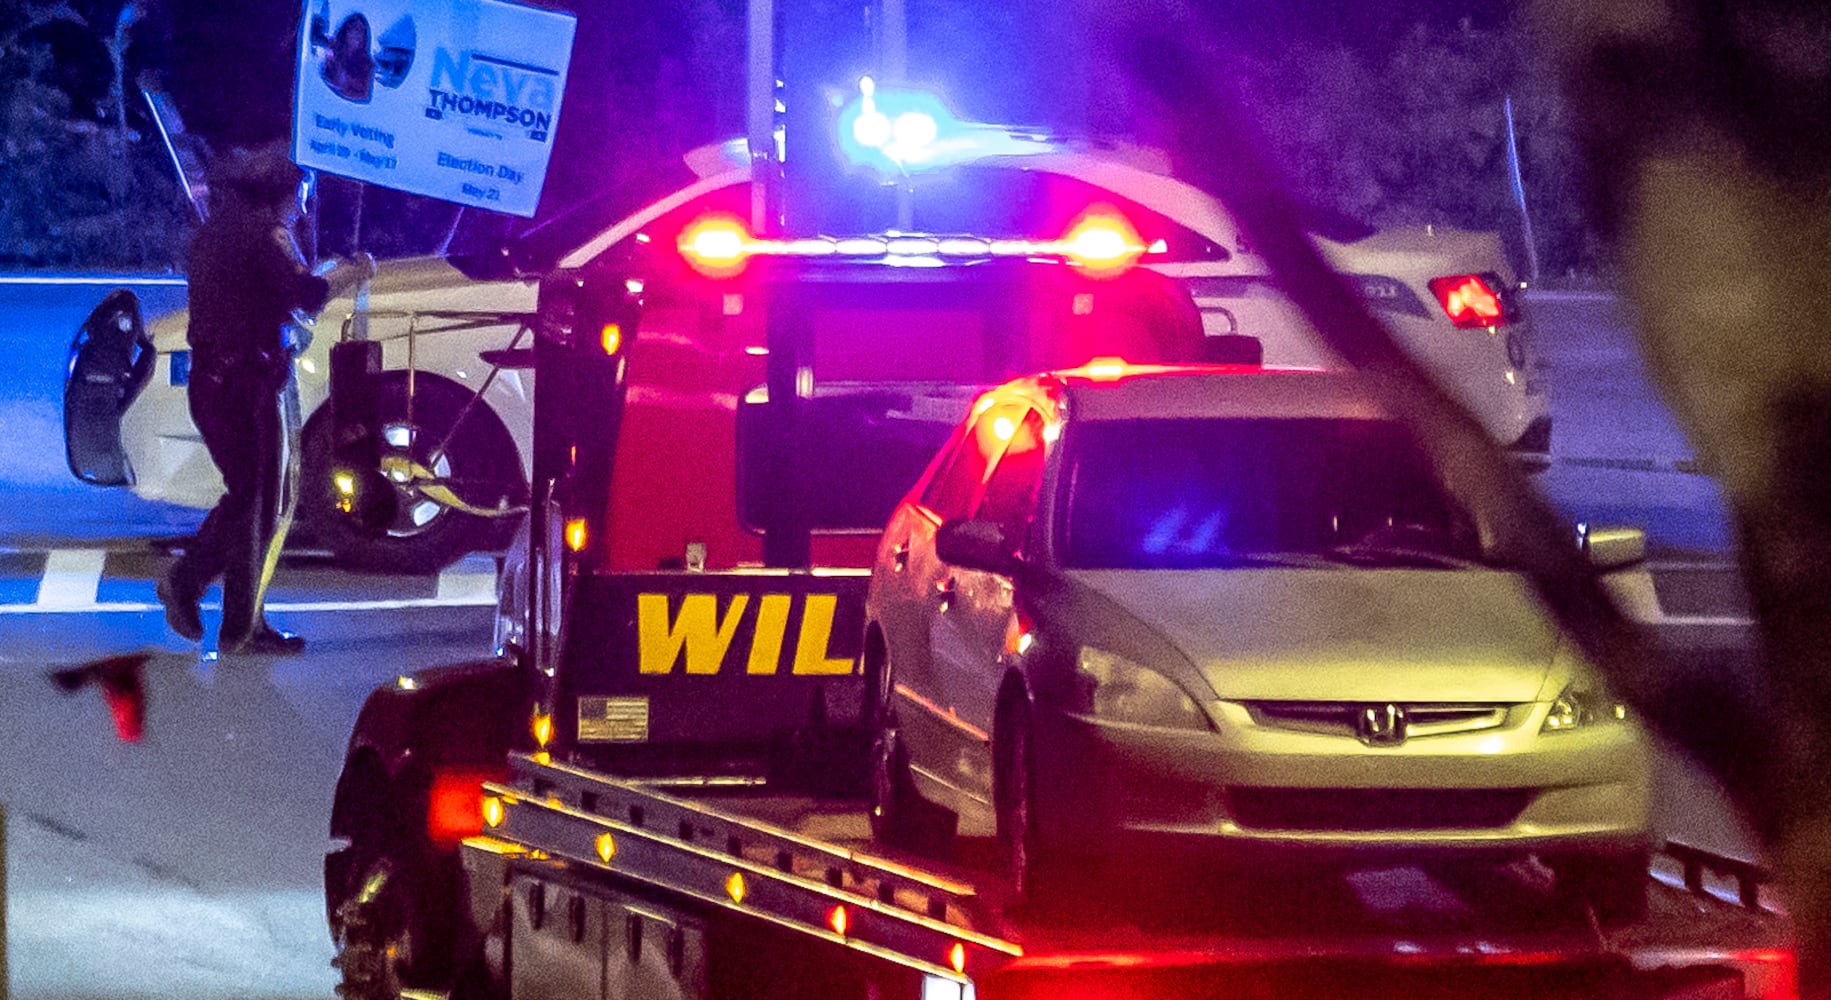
<point x="715" y="245"/>
<point x="1103" y="242"/>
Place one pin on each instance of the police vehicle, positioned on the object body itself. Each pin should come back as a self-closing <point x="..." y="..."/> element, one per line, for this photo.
<point x="459" y="455"/>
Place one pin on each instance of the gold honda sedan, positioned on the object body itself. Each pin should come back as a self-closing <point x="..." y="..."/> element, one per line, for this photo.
<point x="1229" y="609"/>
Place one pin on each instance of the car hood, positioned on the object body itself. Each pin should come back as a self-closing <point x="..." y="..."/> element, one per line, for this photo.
<point x="1345" y="634"/>
<point x="399" y="286"/>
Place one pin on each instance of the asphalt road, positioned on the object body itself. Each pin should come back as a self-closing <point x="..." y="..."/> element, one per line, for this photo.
<point x="190" y="864"/>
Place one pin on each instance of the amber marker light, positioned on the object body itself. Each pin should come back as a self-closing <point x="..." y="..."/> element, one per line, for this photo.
<point x="1103" y="243"/>
<point x="607" y="847"/>
<point x="956" y="957"/>
<point x="575" y="534"/>
<point x="735" y="888"/>
<point x="1106" y="369"/>
<point x="542" y="727"/>
<point x="493" y="811"/>
<point x="839" y="920"/>
<point x="612" y="338"/>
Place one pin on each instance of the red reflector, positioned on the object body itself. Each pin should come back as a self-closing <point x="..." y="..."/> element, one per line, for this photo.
<point x="454" y="810"/>
<point x="1469" y="301"/>
<point x="123" y="690"/>
<point x="128" y="707"/>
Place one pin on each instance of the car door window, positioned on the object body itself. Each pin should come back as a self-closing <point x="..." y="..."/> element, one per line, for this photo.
<point x="1011" y="492"/>
<point x="955" y="488"/>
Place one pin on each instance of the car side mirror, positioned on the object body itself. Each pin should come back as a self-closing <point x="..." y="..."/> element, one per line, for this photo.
<point x="975" y="544"/>
<point x="1612" y="548"/>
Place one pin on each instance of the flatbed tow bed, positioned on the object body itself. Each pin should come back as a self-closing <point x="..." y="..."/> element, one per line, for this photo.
<point x="740" y="890"/>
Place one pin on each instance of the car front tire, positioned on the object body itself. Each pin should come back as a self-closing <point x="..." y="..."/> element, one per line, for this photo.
<point x="1037" y="866"/>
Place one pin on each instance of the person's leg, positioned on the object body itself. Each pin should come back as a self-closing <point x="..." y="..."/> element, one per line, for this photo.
<point x="245" y="555"/>
<point x="265" y="638"/>
<point x="226" y="433"/>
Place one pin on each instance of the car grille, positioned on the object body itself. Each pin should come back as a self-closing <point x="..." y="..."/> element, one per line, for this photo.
<point x="1338" y="718"/>
<point x="1370" y="809"/>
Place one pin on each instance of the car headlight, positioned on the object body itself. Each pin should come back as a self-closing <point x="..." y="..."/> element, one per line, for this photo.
<point x="1583" y="703"/>
<point x="1122" y="691"/>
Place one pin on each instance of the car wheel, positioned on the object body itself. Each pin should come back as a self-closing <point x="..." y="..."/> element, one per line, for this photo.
<point x="1612" y="886"/>
<point x="422" y="535"/>
<point x="1036" y="865"/>
<point x="900" y="816"/>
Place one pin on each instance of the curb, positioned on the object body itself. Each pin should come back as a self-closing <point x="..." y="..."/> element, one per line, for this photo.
<point x="1555" y="295"/>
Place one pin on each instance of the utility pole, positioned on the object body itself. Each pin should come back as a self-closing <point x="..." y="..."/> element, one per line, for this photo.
<point x="761" y="93"/>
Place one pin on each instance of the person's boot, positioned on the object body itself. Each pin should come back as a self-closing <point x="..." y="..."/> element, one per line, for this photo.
<point x="181" y="612"/>
<point x="270" y="641"/>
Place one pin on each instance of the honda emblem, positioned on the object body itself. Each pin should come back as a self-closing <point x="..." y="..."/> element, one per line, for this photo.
<point x="1381" y="725"/>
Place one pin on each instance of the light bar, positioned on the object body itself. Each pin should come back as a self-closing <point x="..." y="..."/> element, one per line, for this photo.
<point x="898" y="130"/>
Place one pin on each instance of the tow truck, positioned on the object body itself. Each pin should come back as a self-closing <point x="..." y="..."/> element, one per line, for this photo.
<point x="656" y="788"/>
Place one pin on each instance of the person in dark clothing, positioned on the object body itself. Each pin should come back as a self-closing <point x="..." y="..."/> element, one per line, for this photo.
<point x="246" y="279"/>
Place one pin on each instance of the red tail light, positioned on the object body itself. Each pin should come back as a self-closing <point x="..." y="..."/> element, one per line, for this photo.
<point x="454" y="810"/>
<point x="1469" y="301"/>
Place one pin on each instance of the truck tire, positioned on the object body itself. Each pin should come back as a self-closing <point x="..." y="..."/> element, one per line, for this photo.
<point x="393" y="928"/>
<point x="1612" y="886"/>
<point x="375" y="942"/>
<point x="423" y="536"/>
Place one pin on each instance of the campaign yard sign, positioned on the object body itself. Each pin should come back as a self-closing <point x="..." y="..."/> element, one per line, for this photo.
<point x="455" y="99"/>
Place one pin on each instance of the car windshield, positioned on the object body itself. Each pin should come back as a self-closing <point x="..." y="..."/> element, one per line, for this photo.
<point x="1219" y="493"/>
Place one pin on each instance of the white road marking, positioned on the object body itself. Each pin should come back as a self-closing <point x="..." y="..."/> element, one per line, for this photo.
<point x="1552" y="295"/>
<point x="468" y="581"/>
<point x="70" y="579"/>
<point x="86" y="279"/>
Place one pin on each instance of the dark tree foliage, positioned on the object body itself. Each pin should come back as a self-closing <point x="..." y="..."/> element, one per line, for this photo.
<point x="1390" y="110"/>
<point x="85" y="188"/>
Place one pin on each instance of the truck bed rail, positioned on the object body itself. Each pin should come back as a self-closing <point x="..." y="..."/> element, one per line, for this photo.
<point x="786" y="860"/>
<point x="919" y="920"/>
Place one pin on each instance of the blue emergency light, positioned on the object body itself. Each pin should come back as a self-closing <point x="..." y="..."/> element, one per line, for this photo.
<point x="900" y="131"/>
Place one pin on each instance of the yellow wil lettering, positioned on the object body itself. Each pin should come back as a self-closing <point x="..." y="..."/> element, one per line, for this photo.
<point x="699" y="630"/>
<point x="766" y="643"/>
<point x="816" y="629"/>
